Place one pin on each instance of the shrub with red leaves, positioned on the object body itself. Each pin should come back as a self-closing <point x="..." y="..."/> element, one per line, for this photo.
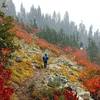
<point x="68" y="49"/>
<point x="5" y="92"/>
<point x="1" y="68"/>
<point x="57" y="94"/>
<point x="6" y="74"/>
<point x="56" y="97"/>
<point x="1" y="85"/>
<point x="93" y="84"/>
<point x="8" y="91"/>
<point x="68" y="95"/>
<point x="22" y="34"/>
<point x="45" y="45"/>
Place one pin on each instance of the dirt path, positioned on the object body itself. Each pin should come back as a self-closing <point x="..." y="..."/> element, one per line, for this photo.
<point x="24" y="90"/>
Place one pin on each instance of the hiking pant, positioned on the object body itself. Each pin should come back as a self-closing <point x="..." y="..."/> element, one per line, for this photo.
<point x="45" y="64"/>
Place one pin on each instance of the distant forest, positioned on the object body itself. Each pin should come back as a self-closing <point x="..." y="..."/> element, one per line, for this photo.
<point x="56" y="30"/>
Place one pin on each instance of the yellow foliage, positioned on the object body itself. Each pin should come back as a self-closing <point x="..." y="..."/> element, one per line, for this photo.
<point x="67" y="73"/>
<point x="76" y="73"/>
<point x="64" y="71"/>
<point x="21" y="71"/>
<point x="38" y="59"/>
<point x="73" y="78"/>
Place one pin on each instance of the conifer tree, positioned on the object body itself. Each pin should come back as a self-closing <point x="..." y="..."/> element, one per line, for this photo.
<point x="92" y="50"/>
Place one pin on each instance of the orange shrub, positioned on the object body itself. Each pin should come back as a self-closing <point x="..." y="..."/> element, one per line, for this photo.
<point x="88" y="73"/>
<point x="93" y="84"/>
<point x="45" y="45"/>
<point x="22" y="34"/>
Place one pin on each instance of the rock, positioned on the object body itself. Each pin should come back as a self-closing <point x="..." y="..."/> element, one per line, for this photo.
<point x="53" y="66"/>
<point x="57" y="81"/>
<point x="18" y="59"/>
<point x="64" y="81"/>
<point x="80" y="98"/>
<point x="36" y="65"/>
<point x="85" y="96"/>
<point x="66" y="85"/>
<point x="81" y="92"/>
<point x="69" y="65"/>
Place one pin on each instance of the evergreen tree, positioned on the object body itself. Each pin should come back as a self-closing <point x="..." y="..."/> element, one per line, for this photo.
<point x="90" y="32"/>
<point x="22" y="15"/>
<point x="83" y="34"/>
<point x="65" y="22"/>
<point x="2" y="8"/>
<point x="92" y="50"/>
<point x="97" y="37"/>
<point x="8" y="7"/>
<point x="10" y="10"/>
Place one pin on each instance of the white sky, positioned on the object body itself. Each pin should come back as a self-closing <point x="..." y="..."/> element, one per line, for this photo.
<point x="87" y="11"/>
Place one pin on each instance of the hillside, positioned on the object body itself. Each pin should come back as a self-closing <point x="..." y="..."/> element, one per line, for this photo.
<point x="69" y="73"/>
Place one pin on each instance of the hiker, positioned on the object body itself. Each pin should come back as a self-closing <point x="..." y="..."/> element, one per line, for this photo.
<point x="45" y="60"/>
<point x="81" y="46"/>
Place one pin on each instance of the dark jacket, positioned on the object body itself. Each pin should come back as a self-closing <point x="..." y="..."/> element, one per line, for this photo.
<point x="45" y="58"/>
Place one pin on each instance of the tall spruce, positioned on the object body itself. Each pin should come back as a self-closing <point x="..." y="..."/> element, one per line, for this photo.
<point x="92" y="50"/>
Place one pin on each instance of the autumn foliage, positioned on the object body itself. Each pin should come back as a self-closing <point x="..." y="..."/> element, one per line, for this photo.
<point x="67" y="94"/>
<point x="5" y="91"/>
<point x="93" y="84"/>
<point x="90" y="75"/>
<point x="22" y="34"/>
<point x="68" y="49"/>
<point x="45" y="45"/>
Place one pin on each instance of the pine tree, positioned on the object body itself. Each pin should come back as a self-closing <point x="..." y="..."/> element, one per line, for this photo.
<point x="92" y="50"/>
<point x="90" y="32"/>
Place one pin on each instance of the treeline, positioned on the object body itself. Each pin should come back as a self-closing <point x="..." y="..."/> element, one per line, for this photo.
<point x="63" y="40"/>
<point x="59" y="38"/>
<point x="56" y="30"/>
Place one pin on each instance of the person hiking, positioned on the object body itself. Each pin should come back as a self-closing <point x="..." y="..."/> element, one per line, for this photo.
<point x="81" y="46"/>
<point x="45" y="60"/>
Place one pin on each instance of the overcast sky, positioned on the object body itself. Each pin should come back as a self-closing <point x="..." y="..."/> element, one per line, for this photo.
<point x="87" y="11"/>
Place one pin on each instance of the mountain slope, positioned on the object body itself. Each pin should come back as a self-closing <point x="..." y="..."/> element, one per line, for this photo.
<point x="31" y="80"/>
<point x="66" y="76"/>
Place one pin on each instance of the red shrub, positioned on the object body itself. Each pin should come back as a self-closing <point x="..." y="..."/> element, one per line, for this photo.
<point x="68" y="49"/>
<point x="70" y="95"/>
<point x="56" y="97"/>
<point x="1" y="86"/>
<point x="5" y="92"/>
<point x="8" y="91"/>
<point x="1" y="68"/>
<point x="6" y="74"/>
<point x="22" y="34"/>
<point x="45" y="45"/>
<point x="93" y="84"/>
